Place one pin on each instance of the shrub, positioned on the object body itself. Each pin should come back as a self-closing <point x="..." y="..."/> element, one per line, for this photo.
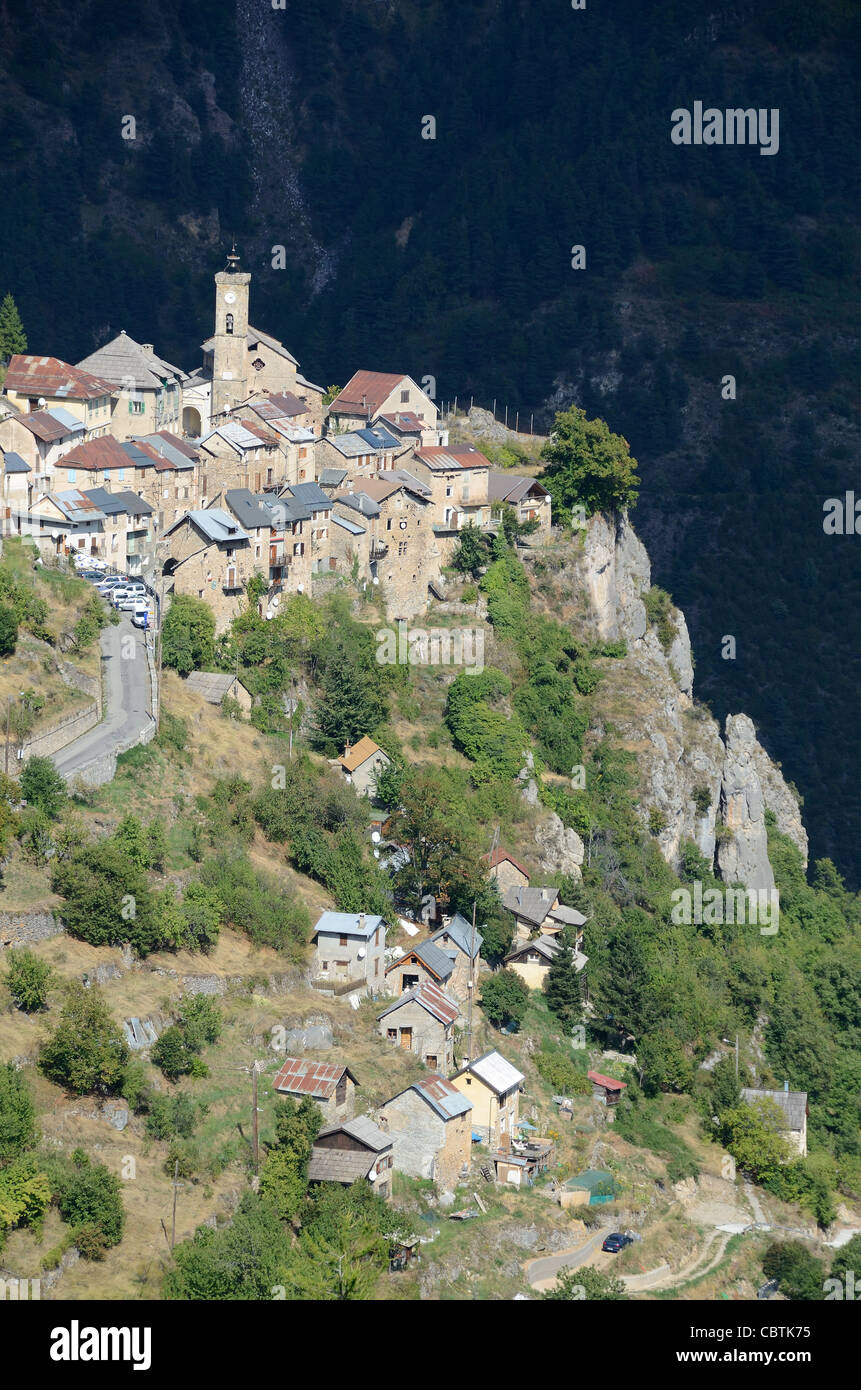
<point x="27" y="980"/>
<point x="504" y="998"/>
<point x="86" y="1051"/>
<point x="43" y="787"/>
<point x="659" y="611"/>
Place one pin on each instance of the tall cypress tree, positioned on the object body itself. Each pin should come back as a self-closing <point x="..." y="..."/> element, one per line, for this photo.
<point x="12" y="336"/>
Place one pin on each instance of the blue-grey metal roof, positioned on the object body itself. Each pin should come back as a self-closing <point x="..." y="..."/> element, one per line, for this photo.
<point x="311" y="495"/>
<point x="66" y="418"/>
<point x="435" y="959"/>
<point x="283" y="509"/>
<point x="378" y="438"/>
<point x="215" y="524"/>
<point x="13" y="463"/>
<point x="332" y="477"/>
<point x="444" y="1098"/>
<point x="118" y="503"/>
<point x="359" y="502"/>
<point x="246" y="508"/>
<point x="347" y="924"/>
<point x="167" y="451"/>
<point x="352" y="526"/>
<point x="460" y="931"/>
<point x="136" y="455"/>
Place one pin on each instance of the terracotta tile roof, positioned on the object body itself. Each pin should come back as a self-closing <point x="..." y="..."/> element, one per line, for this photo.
<point x="370" y="387"/>
<point x="358" y="754"/>
<point x="318" y="1079"/>
<point x="30" y="375"/>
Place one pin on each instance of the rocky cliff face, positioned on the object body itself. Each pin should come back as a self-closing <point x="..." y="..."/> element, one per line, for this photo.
<point x="704" y="785"/>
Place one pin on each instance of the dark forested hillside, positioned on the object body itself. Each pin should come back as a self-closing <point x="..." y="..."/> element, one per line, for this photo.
<point x="302" y="127"/>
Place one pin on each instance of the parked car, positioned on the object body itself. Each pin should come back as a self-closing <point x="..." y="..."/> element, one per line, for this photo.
<point x="128" y="604"/>
<point x="91" y="575"/>
<point x="141" y="617"/>
<point x="120" y="592"/>
<point x="616" y="1242"/>
<point x="111" y="582"/>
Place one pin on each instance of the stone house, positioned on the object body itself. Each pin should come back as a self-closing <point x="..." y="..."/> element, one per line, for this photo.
<point x="539" y="910"/>
<point x="149" y="390"/>
<point x="430" y="1123"/>
<point x="422" y="1021"/>
<point x="17" y="492"/>
<point x="422" y="964"/>
<point x="403" y="552"/>
<point x="167" y="474"/>
<point x="531" y="960"/>
<point x="794" y="1108"/>
<point x="506" y="872"/>
<point x="361" y="762"/>
<point x="493" y="1086"/>
<point x="458" y="477"/>
<point x="210" y="557"/>
<point x="101" y="461"/>
<point x="463" y="946"/>
<point x="368" y="395"/>
<point x="215" y="686"/>
<point x="33" y="383"/>
<point x="41" y="438"/>
<point x="531" y="502"/>
<point x="330" y="1084"/>
<point x="361" y="452"/>
<point x="349" y="952"/>
<point x="350" y="1150"/>
<point x="236" y="456"/>
<point x="349" y="548"/>
<point x="62" y="522"/>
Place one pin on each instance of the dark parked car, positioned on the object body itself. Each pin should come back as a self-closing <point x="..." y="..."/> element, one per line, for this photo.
<point x="616" y="1242"/>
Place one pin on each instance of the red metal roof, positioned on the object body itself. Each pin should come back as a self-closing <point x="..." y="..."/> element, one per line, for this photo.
<point x="500" y="856"/>
<point x="317" y="1079"/>
<point x="104" y="452"/>
<point x="606" y="1081"/>
<point x="374" y="387"/>
<point x="463" y="454"/>
<point x="50" y="376"/>
<point x="43" y="425"/>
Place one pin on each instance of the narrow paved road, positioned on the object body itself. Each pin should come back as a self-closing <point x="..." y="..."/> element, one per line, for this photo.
<point x="548" y="1266"/>
<point x="126" y="694"/>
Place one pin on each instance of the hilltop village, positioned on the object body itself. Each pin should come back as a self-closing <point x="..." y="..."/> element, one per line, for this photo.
<point x="197" y="481"/>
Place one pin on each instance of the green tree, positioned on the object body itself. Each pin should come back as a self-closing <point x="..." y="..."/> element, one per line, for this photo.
<point x="8" y="630"/>
<point x="587" y="1283"/>
<point x="88" y="1195"/>
<point x="43" y="787"/>
<point x="13" y="339"/>
<point x="562" y="987"/>
<point x="27" y="980"/>
<point x="17" y="1114"/>
<point x="504" y="998"/>
<point x="751" y="1133"/>
<point x="586" y="463"/>
<point x="107" y="900"/>
<point x="471" y="552"/>
<point x="799" y="1274"/>
<point x="188" y="636"/>
<point x="86" y="1052"/>
<point x="246" y="1260"/>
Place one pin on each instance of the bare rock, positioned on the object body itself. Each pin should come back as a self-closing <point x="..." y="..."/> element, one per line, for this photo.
<point x="561" y="850"/>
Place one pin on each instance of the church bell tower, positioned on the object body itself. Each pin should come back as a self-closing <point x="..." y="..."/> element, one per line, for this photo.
<point x="230" y="350"/>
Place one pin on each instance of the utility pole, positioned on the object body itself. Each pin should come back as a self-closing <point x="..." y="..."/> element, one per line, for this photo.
<point x="254" y="1126"/>
<point x="736" y="1056"/>
<point x="173" y="1221"/>
<point x="8" y="715"/>
<point x="471" y="986"/>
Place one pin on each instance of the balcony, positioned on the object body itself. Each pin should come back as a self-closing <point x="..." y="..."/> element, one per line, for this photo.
<point x="378" y="550"/>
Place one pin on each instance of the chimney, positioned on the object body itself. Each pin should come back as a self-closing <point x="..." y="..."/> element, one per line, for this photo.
<point x="545" y="893"/>
<point x="786" y="1085"/>
<point x="361" y="921"/>
<point x="147" y="347"/>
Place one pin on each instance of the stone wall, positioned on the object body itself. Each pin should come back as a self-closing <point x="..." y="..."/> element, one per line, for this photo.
<point x="23" y="928"/>
<point x="65" y="731"/>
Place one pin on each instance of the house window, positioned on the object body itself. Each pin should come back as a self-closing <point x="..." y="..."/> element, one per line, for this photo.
<point x="402" y="547"/>
<point x="405" y="395"/>
<point x="430" y="1061"/>
<point x="71" y="475"/>
<point x="258" y="364"/>
<point x="341" y="1090"/>
<point x="136" y="407"/>
<point x="377" y="966"/>
<point x="324" y="966"/>
<point x="228" y="325"/>
<point x="449" y="491"/>
<point x="389" y="524"/>
<point x="392" y="1034"/>
<point x="342" y="940"/>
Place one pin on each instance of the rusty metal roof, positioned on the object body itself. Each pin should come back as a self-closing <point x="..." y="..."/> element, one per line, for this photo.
<point x="365" y="392"/>
<point x="430" y="998"/>
<point x="105" y="452"/>
<point x="51" y="377"/>
<point x="318" y="1079"/>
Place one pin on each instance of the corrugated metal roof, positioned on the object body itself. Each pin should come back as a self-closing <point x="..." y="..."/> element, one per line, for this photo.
<point x="95" y="454"/>
<point x="234" y="434"/>
<point x="430" y="956"/>
<point x="372" y="387"/>
<point x="301" y="1077"/>
<point x="119" y="503"/>
<point x="352" y="526"/>
<point x="452" y="456"/>
<point x="30" y="375"/>
<point x="444" y="1098"/>
<point x="608" y="1082"/>
<point x="428" y="997"/>
<point x="45" y="426"/>
<point x="361" y="1128"/>
<point x="215" y="524"/>
<point x="347" y="924"/>
<point x="495" y="1071"/>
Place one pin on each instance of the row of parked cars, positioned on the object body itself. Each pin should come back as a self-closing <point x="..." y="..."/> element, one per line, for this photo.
<point x="127" y="595"/>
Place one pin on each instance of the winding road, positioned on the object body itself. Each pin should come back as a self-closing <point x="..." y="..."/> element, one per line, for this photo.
<point x="126" y="697"/>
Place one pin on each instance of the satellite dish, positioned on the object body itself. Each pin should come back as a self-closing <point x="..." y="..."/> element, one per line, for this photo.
<point x="372" y="1177"/>
<point x="268" y="615"/>
<point x="375" y="837"/>
<point x="276" y="600"/>
<point x="375" y="580"/>
<point x="42" y="402"/>
<point x="361" y="953"/>
<point x="300" y="588"/>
